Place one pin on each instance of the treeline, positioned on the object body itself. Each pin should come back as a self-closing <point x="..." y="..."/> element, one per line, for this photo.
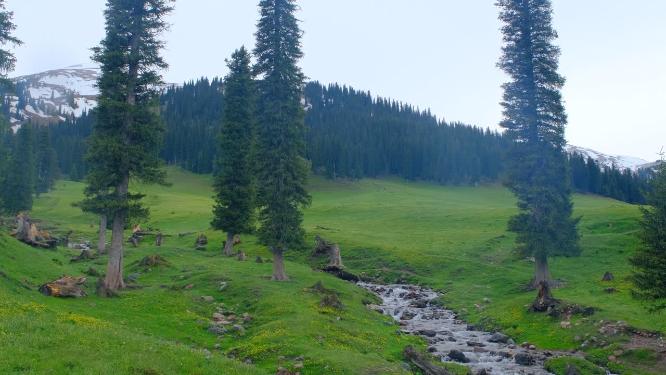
<point x="587" y="176"/>
<point x="28" y="166"/>
<point x="350" y="134"/>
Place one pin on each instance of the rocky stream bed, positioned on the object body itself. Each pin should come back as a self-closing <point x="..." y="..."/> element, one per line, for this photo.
<point x="453" y="340"/>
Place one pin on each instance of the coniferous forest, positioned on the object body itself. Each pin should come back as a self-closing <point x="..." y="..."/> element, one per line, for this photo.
<point x="350" y="134"/>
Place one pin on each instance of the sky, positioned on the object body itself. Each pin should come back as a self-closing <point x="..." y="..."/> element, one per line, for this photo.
<point x="437" y="54"/>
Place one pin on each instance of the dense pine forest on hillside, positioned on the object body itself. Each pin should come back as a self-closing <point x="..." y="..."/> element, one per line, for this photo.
<point x="350" y="134"/>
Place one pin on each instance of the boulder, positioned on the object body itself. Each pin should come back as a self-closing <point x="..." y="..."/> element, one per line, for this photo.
<point x="458" y="356"/>
<point x="524" y="359"/>
<point x="499" y="338"/>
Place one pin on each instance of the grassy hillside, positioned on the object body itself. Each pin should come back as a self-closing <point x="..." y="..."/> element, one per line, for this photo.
<point x="450" y="238"/>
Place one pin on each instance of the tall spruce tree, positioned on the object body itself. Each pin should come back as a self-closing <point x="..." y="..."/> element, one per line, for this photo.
<point x="7" y="63"/>
<point x="233" y="182"/>
<point x="534" y="119"/>
<point x="127" y="133"/>
<point x="19" y="185"/>
<point x="281" y="167"/>
<point x="649" y="262"/>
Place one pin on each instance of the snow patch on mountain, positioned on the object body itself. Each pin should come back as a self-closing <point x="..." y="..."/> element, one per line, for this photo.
<point x="54" y="95"/>
<point x="617" y="161"/>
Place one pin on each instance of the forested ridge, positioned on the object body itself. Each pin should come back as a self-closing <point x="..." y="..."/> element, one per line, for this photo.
<point x="350" y="134"/>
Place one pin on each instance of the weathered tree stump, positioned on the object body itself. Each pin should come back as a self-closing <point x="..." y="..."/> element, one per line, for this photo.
<point x="259" y="260"/>
<point x="201" y="242"/>
<point x="241" y="256"/>
<point x="86" y="254"/>
<point x="28" y="233"/>
<point x="64" y="287"/>
<point x="544" y="301"/>
<point x="153" y="261"/>
<point x="134" y="240"/>
<point x="323" y="247"/>
<point x="423" y="363"/>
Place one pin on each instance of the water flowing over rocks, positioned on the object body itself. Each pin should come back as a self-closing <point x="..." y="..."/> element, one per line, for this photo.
<point x="451" y="339"/>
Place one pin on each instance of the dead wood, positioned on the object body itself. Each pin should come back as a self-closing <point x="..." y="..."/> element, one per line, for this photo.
<point x="423" y="363"/>
<point x="64" y="287"/>
<point x="545" y="300"/>
<point x="28" y="233"/>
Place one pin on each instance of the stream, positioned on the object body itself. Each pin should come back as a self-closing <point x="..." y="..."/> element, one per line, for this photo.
<point x="453" y="340"/>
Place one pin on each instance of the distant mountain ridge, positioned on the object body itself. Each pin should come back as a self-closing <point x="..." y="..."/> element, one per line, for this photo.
<point x="54" y="95"/>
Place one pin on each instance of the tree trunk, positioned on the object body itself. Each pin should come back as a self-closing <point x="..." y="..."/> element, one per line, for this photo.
<point x="114" y="272"/>
<point x="229" y="245"/>
<point x="335" y="258"/>
<point x="541" y="272"/>
<point x="101" y="244"/>
<point x="279" y="273"/>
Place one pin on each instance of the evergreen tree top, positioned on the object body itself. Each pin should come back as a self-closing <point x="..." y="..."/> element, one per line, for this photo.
<point x="533" y="109"/>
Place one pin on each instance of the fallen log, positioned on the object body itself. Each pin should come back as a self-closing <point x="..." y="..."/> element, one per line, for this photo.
<point x="65" y="287"/>
<point x="423" y="363"/>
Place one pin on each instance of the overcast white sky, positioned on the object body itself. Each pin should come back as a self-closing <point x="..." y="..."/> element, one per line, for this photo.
<point x="438" y="54"/>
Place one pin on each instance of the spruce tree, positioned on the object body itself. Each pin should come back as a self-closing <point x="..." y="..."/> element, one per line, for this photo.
<point x="7" y="63"/>
<point x="233" y="182"/>
<point x="46" y="162"/>
<point x="281" y="167"/>
<point x="19" y="185"/>
<point x="534" y="120"/>
<point x="127" y="133"/>
<point x="649" y="276"/>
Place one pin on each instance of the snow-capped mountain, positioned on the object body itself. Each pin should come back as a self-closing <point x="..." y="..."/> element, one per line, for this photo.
<point x="617" y="161"/>
<point x="54" y="95"/>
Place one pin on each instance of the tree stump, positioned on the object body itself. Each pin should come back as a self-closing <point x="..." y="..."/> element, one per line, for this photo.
<point x="158" y="239"/>
<point x="608" y="277"/>
<point x="66" y="287"/>
<point x="544" y="301"/>
<point x="201" y="242"/>
<point x="323" y="247"/>
<point x="28" y="233"/>
<point x="241" y="256"/>
<point x="86" y="254"/>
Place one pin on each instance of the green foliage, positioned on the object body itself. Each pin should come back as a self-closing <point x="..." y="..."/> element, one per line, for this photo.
<point x="233" y="183"/>
<point x="560" y="365"/>
<point x="7" y="58"/>
<point x="534" y="121"/>
<point x="649" y="276"/>
<point x="281" y="167"/>
<point x="127" y="135"/>
<point x="19" y="184"/>
<point x="46" y="162"/>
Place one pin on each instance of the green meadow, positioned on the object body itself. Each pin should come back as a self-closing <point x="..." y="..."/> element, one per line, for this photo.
<point x="452" y="239"/>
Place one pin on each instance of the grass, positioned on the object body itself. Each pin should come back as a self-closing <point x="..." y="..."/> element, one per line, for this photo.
<point x="449" y="238"/>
